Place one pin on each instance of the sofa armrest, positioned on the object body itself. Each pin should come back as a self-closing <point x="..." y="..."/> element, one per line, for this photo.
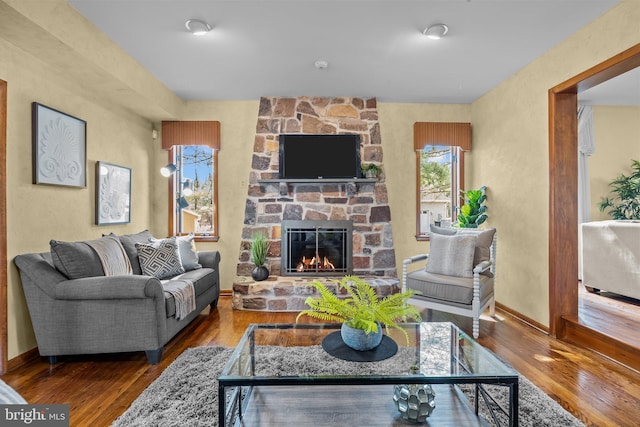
<point x="109" y="287"/>
<point x="209" y="259"/>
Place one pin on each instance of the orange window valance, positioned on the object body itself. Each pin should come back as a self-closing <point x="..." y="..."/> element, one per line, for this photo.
<point x="191" y="133"/>
<point x="442" y="133"/>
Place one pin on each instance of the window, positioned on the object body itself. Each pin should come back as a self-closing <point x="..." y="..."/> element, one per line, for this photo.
<point x="439" y="148"/>
<point x="439" y="179"/>
<point x="194" y="191"/>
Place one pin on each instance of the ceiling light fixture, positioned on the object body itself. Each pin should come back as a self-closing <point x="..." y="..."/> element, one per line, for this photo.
<point x="197" y="27"/>
<point x="436" y="32"/>
<point x="321" y="64"/>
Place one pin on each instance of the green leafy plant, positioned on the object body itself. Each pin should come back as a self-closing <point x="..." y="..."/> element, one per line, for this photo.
<point x="374" y="169"/>
<point x="362" y="309"/>
<point x="626" y="203"/>
<point x="472" y="213"/>
<point x="259" y="248"/>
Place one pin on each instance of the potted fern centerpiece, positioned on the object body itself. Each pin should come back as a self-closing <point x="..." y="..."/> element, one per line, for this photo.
<point x="362" y="313"/>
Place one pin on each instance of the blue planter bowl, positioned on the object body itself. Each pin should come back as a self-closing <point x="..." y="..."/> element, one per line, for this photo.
<point x="358" y="339"/>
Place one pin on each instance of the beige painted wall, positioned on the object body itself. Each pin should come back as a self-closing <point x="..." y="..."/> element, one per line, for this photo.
<point x="511" y="155"/>
<point x="617" y="136"/>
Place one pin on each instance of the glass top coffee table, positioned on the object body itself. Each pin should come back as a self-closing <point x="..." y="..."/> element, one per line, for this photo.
<point x="281" y="372"/>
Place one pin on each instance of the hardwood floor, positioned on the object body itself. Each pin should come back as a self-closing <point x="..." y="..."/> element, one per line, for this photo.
<point x="99" y="388"/>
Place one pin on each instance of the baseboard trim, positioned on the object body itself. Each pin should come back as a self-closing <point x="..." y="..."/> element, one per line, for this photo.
<point x="226" y="293"/>
<point x="22" y="359"/>
<point x="521" y="317"/>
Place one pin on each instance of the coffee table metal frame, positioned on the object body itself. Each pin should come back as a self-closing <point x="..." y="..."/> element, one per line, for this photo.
<point x="469" y="363"/>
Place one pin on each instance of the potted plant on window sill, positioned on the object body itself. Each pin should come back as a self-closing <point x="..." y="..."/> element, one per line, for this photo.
<point x="259" y="248"/>
<point x="362" y="313"/>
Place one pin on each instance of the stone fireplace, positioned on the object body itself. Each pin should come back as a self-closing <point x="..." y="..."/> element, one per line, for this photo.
<point x="272" y="203"/>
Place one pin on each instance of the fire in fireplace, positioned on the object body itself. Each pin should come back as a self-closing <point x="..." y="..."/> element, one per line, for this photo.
<point x="316" y="248"/>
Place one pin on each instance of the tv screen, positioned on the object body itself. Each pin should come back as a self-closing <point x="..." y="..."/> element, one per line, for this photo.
<point x="319" y="156"/>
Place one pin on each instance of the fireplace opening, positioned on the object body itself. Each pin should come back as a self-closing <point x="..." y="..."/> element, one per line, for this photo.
<point x="316" y="248"/>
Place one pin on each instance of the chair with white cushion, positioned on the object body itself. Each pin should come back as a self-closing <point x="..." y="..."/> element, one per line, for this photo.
<point x="459" y="276"/>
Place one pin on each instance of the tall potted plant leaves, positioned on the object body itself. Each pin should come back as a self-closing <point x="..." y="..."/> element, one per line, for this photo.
<point x="626" y="202"/>
<point x="472" y="213"/>
<point x="259" y="248"/>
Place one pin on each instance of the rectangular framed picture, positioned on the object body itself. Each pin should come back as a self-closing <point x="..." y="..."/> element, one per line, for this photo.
<point x="59" y="147"/>
<point x="113" y="194"/>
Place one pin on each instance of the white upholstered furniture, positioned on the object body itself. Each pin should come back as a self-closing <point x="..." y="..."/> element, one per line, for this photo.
<point x="611" y="256"/>
<point x="455" y="280"/>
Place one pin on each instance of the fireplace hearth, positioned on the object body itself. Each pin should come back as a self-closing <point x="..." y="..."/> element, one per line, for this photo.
<point x="316" y="248"/>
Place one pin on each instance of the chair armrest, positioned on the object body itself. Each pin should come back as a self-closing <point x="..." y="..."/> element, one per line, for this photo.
<point x="209" y="259"/>
<point x="482" y="267"/>
<point x="415" y="258"/>
<point x="109" y="287"/>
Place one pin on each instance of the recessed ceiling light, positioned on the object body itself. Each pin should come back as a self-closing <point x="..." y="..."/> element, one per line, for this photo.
<point x="436" y="32"/>
<point x="321" y="64"/>
<point x="197" y="27"/>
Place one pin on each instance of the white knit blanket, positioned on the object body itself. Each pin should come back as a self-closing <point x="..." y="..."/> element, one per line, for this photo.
<point x="184" y="295"/>
<point x="113" y="258"/>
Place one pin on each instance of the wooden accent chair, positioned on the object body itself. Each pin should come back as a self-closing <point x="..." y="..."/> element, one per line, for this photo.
<point x="459" y="276"/>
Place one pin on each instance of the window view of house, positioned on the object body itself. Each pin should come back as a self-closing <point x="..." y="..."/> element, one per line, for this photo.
<point x="194" y="190"/>
<point x="439" y="186"/>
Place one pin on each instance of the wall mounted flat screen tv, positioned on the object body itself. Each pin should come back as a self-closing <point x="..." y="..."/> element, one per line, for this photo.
<point x="305" y="156"/>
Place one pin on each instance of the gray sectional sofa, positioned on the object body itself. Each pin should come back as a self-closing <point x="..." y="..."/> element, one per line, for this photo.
<point x="79" y="304"/>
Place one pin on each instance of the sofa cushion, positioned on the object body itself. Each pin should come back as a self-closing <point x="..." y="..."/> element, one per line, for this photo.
<point x="451" y="255"/>
<point x="446" y="288"/>
<point x="75" y="259"/>
<point x="129" y="243"/>
<point x="160" y="259"/>
<point x="202" y="280"/>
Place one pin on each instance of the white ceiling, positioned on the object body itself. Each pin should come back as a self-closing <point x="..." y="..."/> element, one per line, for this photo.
<point x="374" y="48"/>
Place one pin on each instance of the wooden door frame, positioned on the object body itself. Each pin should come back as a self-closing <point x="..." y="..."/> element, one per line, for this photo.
<point x="563" y="184"/>
<point x="3" y="228"/>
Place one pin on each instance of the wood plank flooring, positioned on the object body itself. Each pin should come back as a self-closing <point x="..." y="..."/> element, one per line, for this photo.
<point x="99" y="388"/>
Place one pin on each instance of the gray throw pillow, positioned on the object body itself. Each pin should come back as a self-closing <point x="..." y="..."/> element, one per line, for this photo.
<point x="160" y="259"/>
<point x="451" y="255"/>
<point x="483" y="242"/>
<point x="129" y="244"/>
<point x="75" y="259"/>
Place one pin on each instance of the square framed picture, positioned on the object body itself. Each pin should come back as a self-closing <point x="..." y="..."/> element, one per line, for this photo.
<point x="59" y="147"/>
<point x="113" y="194"/>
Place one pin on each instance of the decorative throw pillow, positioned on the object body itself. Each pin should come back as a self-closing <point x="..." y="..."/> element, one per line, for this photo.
<point x="451" y="255"/>
<point x="129" y="244"/>
<point x="188" y="253"/>
<point x="483" y="242"/>
<point x="75" y="259"/>
<point x="160" y="259"/>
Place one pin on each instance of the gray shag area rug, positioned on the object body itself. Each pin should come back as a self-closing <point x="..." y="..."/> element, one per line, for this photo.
<point x="186" y="393"/>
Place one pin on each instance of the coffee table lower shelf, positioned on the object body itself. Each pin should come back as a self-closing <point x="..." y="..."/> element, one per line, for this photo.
<point x="347" y="405"/>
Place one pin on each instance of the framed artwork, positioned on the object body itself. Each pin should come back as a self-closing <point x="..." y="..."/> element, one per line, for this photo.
<point x="113" y="194"/>
<point x="59" y="147"/>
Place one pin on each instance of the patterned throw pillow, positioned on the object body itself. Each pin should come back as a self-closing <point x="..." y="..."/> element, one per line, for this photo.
<point x="188" y="252"/>
<point x="160" y="259"/>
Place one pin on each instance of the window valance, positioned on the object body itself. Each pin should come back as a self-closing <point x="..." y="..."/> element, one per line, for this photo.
<point x="191" y="133"/>
<point x="442" y="133"/>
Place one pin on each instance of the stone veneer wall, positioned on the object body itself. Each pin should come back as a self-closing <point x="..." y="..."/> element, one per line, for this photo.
<point x="267" y="205"/>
